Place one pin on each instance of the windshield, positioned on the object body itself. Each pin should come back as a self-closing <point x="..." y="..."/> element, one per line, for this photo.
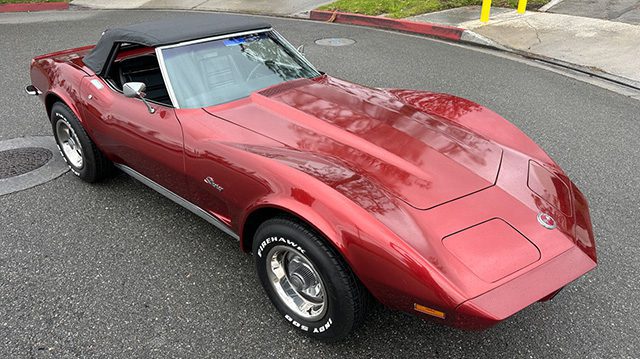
<point x="214" y="72"/>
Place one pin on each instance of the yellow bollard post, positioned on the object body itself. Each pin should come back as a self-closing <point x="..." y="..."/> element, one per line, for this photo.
<point x="486" y="10"/>
<point x="522" y="6"/>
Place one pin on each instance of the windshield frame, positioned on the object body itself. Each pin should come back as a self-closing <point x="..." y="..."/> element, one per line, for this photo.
<point x="279" y="38"/>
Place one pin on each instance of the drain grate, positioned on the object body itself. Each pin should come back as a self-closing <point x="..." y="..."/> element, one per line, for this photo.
<point x="19" y="161"/>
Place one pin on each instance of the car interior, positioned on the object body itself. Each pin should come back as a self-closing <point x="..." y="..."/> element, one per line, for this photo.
<point x="203" y="74"/>
<point x="213" y="73"/>
<point x="217" y="78"/>
<point x="140" y="67"/>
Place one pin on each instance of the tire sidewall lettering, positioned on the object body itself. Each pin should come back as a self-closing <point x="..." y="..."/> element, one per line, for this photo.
<point x="280" y="240"/>
<point x="310" y="329"/>
<point x="60" y="117"/>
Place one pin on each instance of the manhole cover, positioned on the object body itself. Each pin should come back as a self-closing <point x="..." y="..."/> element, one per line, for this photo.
<point x="26" y="162"/>
<point x="335" y="41"/>
<point x="19" y="161"/>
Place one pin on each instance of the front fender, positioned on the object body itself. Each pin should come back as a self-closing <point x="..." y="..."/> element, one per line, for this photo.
<point x="309" y="199"/>
<point x="370" y="230"/>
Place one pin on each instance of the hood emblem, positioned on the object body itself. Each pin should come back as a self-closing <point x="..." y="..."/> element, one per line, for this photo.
<point x="546" y="221"/>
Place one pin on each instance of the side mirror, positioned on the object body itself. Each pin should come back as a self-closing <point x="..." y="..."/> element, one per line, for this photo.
<point x="136" y="90"/>
<point x="300" y="49"/>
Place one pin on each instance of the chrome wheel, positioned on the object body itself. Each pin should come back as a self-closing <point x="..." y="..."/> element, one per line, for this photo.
<point x="69" y="144"/>
<point x="297" y="282"/>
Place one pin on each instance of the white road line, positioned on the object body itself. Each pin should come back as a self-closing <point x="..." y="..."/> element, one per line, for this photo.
<point x="549" y="5"/>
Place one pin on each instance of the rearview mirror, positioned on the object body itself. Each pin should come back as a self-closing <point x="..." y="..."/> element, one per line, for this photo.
<point x="136" y="90"/>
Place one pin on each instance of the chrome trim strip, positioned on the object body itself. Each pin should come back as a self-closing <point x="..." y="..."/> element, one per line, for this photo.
<point x="179" y="200"/>
<point x="163" y="69"/>
<point x="165" y="77"/>
<point x="206" y="39"/>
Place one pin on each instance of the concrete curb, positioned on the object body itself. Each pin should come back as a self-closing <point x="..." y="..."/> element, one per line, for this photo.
<point x="422" y="28"/>
<point x="25" y="7"/>
<point x="594" y="72"/>
<point x="446" y="32"/>
<point x="459" y="35"/>
<point x="471" y="37"/>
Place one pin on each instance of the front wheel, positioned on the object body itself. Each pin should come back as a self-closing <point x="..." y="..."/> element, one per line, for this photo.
<point x="307" y="281"/>
<point x="83" y="157"/>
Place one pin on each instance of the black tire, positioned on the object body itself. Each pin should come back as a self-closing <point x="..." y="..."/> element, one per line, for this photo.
<point x="95" y="166"/>
<point x="346" y="297"/>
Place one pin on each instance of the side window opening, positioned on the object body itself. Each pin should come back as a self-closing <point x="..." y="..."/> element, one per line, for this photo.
<point x="139" y="64"/>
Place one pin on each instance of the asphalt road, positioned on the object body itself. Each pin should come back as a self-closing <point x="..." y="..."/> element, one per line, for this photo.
<point x="115" y="270"/>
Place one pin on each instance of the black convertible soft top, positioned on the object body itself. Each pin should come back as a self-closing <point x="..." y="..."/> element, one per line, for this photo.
<point x="168" y="31"/>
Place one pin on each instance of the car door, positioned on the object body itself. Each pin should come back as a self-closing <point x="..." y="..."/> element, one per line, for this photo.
<point x="147" y="139"/>
<point x="149" y="143"/>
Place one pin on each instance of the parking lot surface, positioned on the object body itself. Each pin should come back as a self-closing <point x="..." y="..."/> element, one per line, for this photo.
<point x="115" y="270"/>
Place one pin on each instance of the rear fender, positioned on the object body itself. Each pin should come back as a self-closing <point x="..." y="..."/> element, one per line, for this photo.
<point x="58" y="81"/>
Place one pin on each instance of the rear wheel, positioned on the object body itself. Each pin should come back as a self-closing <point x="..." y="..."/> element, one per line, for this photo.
<point x="81" y="154"/>
<point x="307" y="281"/>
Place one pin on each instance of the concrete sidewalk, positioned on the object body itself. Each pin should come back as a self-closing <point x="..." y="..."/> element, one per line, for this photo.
<point x="269" y="7"/>
<point x="599" y="45"/>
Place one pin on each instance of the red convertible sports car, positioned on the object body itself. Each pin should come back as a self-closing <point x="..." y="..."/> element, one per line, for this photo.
<point x="427" y="202"/>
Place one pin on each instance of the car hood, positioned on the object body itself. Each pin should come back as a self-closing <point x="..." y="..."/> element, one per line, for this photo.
<point x="422" y="159"/>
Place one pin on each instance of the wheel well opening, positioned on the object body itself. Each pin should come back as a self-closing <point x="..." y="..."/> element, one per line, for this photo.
<point x="254" y="220"/>
<point x="257" y="217"/>
<point x="49" y="101"/>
